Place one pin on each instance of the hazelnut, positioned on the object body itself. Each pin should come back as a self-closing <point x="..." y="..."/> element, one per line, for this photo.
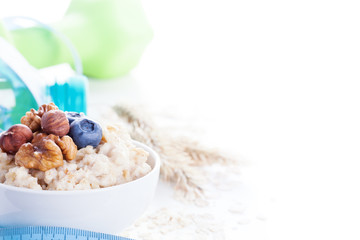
<point x="55" y="122"/>
<point x="14" y="137"/>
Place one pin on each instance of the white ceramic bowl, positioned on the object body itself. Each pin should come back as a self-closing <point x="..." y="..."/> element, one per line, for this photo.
<point x="106" y="210"/>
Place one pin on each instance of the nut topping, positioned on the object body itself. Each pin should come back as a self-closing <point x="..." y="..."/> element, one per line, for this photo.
<point x="65" y="143"/>
<point x="43" y="154"/>
<point x="14" y="137"/>
<point x="32" y="120"/>
<point x="46" y="129"/>
<point x="45" y="108"/>
<point x="55" y="122"/>
<point x="67" y="146"/>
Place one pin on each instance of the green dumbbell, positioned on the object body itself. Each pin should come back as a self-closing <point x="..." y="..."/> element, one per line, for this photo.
<point x="109" y="35"/>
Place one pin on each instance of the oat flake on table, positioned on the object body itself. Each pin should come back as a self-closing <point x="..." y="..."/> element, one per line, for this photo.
<point x="175" y="224"/>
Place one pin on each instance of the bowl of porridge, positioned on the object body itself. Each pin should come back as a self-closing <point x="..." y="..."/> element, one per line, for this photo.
<point x="51" y="180"/>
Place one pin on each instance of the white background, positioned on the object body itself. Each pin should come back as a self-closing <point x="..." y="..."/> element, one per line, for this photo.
<point x="276" y="82"/>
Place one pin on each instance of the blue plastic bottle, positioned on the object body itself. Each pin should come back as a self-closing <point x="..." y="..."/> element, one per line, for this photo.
<point x="23" y="87"/>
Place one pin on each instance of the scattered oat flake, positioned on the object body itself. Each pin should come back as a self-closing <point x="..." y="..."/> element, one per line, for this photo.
<point x="261" y="217"/>
<point x="174" y="224"/>
<point x="244" y="221"/>
<point x="237" y="208"/>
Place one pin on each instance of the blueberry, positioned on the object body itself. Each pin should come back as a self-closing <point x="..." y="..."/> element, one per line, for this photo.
<point x="72" y="116"/>
<point x="85" y="132"/>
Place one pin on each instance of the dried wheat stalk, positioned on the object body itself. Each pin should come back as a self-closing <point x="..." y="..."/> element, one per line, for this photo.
<point x="181" y="158"/>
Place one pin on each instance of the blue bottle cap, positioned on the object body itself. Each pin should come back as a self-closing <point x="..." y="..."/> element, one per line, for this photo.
<point x="71" y="95"/>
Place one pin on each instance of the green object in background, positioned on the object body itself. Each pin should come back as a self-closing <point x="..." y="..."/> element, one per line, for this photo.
<point x="11" y="84"/>
<point x="109" y="35"/>
<point x="23" y="87"/>
<point x="16" y="96"/>
<point x="4" y="33"/>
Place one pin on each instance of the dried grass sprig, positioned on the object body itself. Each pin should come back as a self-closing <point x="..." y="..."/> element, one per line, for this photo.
<point x="181" y="158"/>
<point x="202" y="155"/>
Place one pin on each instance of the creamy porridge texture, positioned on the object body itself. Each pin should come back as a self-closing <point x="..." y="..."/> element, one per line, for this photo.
<point x="114" y="161"/>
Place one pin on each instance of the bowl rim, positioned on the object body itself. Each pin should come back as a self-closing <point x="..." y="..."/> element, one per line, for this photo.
<point x="154" y="170"/>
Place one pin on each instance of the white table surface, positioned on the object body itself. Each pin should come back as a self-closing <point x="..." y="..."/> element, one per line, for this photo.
<point x="276" y="83"/>
<point x="234" y="203"/>
<point x="302" y="181"/>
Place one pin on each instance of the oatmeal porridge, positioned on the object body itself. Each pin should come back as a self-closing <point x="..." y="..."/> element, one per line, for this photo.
<point x="56" y="162"/>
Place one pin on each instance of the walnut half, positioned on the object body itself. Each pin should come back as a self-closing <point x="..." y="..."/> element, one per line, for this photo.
<point x="46" y="108"/>
<point x="43" y="154"/>
<point x="67" y="146"/>
<point x="65" y="143"/>
<point x="32" y="120"/>
<point x="46" y="152"/>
